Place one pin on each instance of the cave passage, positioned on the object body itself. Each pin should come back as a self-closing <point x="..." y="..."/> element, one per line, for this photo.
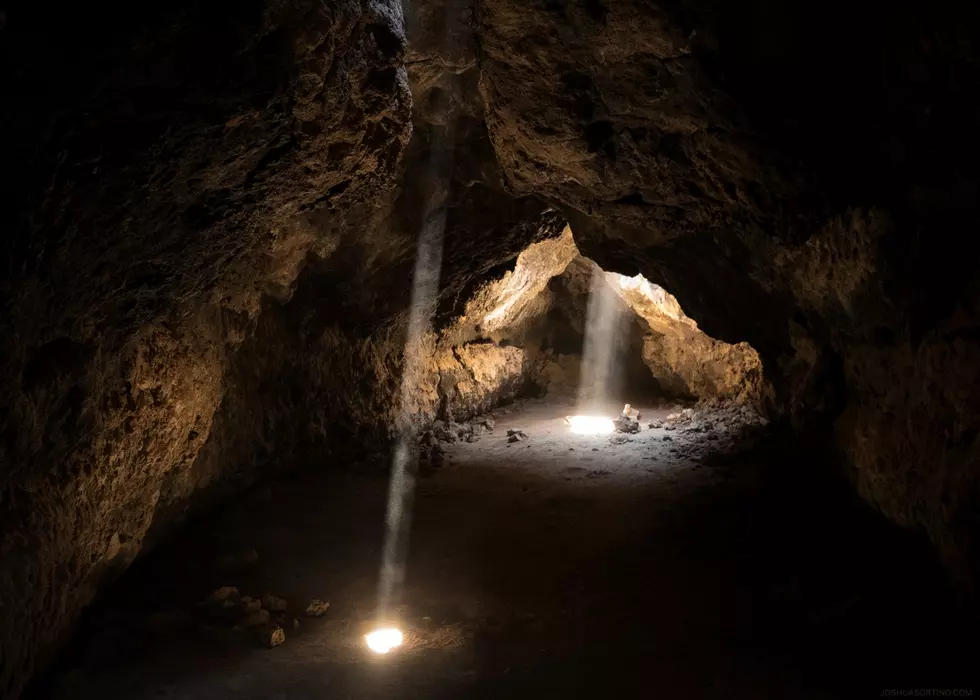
<point x="655" y="559"/>
<point x="597" y="349"/>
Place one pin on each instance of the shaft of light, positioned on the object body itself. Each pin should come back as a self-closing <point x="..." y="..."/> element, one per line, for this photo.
<point x="590" y="425"/>
<point x="383" y="640"/>
<point x="401" y="485"/>
<point x="601" y="350"/>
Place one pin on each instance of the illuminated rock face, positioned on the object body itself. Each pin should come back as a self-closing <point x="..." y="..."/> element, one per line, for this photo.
<point x="683" y="359"/>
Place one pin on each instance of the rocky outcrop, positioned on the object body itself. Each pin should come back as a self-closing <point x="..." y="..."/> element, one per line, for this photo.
<point x="684" y="360"/>
<point x="807" y="200"/>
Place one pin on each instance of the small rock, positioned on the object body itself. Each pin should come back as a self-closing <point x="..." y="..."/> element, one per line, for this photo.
<point x="654" y="424"/>
<point x="627" y="424"/>
<point x="668" y="426"/>
<point x="273" y="603"/>
<point x="259" y="617"/>
<point x="514" y="431"/>
<point x="316" y="608"/>
<point x="471" y="438"/>
<point x="488" y="423"/>
<point x="668" y="438"/>
<point x="295" y="623"/>
<point x="516" y="436"/>
<point x="271" y="636"/>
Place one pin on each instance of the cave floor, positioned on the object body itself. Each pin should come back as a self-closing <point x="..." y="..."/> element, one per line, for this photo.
<point x="563" y="566"/>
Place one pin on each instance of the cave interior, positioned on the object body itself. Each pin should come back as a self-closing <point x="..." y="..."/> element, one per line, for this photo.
<point x="598" y="348"/>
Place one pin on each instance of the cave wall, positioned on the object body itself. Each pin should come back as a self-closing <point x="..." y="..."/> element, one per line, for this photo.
<point x="159" y="159"/>
<point x="800" y="176"/>
<point x="685" y="360"/>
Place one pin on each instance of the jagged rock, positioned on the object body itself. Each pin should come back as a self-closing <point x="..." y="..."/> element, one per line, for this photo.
<point x="317" y="608"/>
<point x="626" y="424"/>
<point x="271" y="635"/>
<point x="516" y="436"/>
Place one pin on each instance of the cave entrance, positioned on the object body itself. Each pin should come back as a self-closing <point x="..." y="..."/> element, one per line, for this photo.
<point x="588" y="344"/>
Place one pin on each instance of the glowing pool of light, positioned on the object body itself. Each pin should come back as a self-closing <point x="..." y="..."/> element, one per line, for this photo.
<point x="383" y="640"/>
<point x="590" y="425"/>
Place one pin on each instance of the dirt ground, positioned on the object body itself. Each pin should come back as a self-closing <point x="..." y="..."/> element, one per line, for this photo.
<point x="562" y="566"/>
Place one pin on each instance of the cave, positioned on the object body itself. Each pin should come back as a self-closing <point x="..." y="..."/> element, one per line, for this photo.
<point x="489" y="348"/>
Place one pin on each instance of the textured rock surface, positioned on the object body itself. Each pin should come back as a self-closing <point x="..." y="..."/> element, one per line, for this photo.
<point x="163" y="158"/>
<point x="683" y="359"/>
<point x="809" y="200"/>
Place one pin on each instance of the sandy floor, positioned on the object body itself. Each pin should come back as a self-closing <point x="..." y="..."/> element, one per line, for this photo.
<point x="563" y="566"/>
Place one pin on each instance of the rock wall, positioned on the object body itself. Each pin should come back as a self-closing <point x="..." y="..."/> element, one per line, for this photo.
<point x="684" y="360"/>
<point x="158" y="164"/>
<point x="809" y="200"/>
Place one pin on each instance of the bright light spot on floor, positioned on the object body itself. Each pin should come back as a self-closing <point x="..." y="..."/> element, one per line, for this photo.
<point x="384" y="640"/>
<point x="590" y="425"/>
